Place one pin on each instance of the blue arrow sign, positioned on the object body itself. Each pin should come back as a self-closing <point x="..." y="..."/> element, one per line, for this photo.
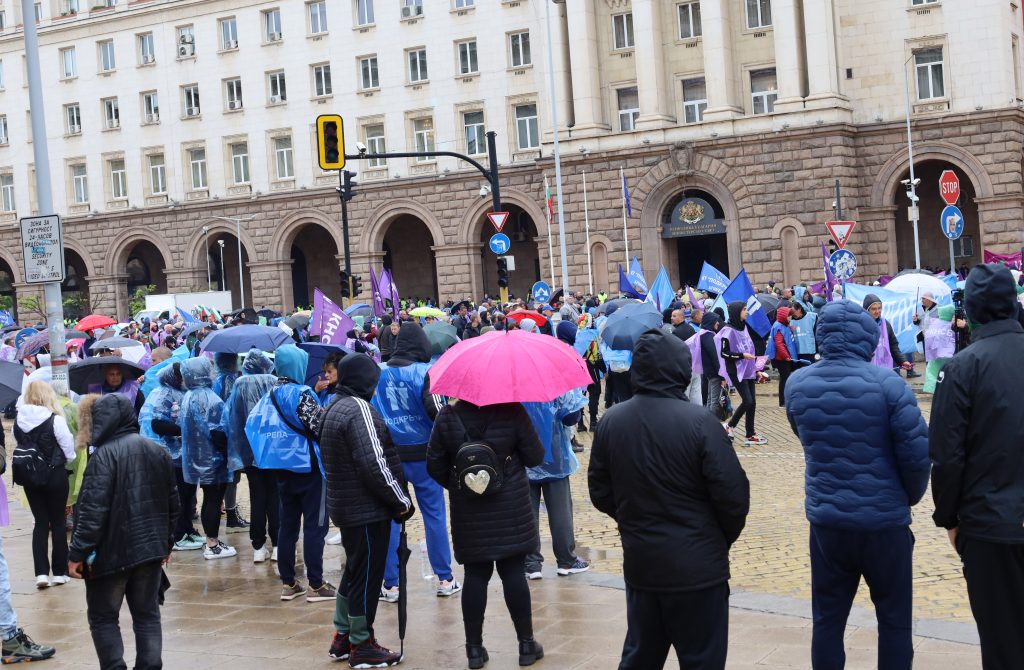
<point x="541" y="292"/>
<point x="843" y="264"/>
<point x="500" y="243"/>
<point x="952" y="222"/>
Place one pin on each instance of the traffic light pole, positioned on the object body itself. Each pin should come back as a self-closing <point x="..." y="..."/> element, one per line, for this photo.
<point x="344" y="177"/>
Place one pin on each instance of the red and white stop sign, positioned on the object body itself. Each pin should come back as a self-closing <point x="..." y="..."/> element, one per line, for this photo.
<point x="949" y="187"/>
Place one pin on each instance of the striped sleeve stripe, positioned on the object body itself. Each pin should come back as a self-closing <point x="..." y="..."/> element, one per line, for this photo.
<point x="378" y="452"/>
<point x="439" y="401"/>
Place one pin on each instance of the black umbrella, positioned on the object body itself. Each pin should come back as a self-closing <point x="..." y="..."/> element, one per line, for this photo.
<point x="403" y="580"/>
<point x="267" y="314"/>
<point x="11" y="377"/>
<point x="628" y="323"/>
<point x="92" y="371"/>
<point x="555" y="297"/>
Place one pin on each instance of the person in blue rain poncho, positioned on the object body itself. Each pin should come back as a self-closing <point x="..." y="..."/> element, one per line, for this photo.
<point x="227" y="373"/>
<point x="257" y="378"/>
<point x="204" y="449"/>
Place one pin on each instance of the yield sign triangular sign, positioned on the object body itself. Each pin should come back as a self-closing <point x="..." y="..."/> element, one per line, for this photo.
<point x="840" y="231"/>
<point x="498" y="219"/>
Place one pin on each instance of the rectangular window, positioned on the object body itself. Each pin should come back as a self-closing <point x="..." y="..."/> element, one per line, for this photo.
<point x="759" y="13"/>
<point x="7" y="203"/>
<point x="190" y="97"/>
<point x="622" y="31"/>
<point x="3" y="20"/>
<point x="364" y="12"/>
<point x="417" y="65"/>
<point x="476" y="141"/>
<point x="412" y="8"/>
<point x="317" y="17"/>
<point x="111" y="114"/>
<point x="197" y="167"/>
<point x="462" y="4"/>
<point x="107" y="62"/>
<point x="39" y="11"/>
<point x="695" y="100"/>
<point x="72" y="6"/>
<point x="147" y="50"/>
<point x="321" y="80"/>
<point x="157" y="174"/>
<point x="272" y="25"/>
<point x="368" y="76"/>
<point x="629" y="108"/>
<point x="763" y="91"/>
<point x="423" y="136"/>
<point x="3" y="83"/>
<point x="74" y="119"/>
<point x="527" y="135"/>
<point x="186" y="42"/>
<point x="240" y="162"/>
<point x="233" y="93"/>
<point x="467" y="58"/>
<point x="923" y="2"/>
<point x="519" y="49"/>
<point x="118" y="185"/>
<point x="276" y="87"/>
<point x="150" y="107"/>
<point x="283" y="158"/>
<point x="80" y="181"/>
<point x="228" y="34"/>
<point x="69" y="64"/>
<point x="928" y="64"/>
<point x="375" y="144"/>
<point x="689" y="20"/>
<point x="3" y="129"/>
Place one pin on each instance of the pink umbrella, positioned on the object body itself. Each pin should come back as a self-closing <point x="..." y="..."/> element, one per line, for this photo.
<point x="513" y="366"/>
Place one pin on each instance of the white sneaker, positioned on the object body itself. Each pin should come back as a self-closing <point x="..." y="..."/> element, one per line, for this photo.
<point x="42" y="581"/>
<point x="388" y="595"/>
<point x="448" y="588"/>
<point x="273" y="556"/>
<point x="59" y="579"/>
<point x="219" y="550"/>
<point x="335" y="539"/>
<point x="535" y="575"/>
<point x="577" y="567"/>
<point x="260" y="555"/>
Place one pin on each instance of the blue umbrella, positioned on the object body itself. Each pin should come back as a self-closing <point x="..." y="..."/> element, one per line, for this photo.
<point x="318" y="353"/>
<point x="359" y="309"/>
<point x="628" y="323"/>
<point x="240" y="339"/>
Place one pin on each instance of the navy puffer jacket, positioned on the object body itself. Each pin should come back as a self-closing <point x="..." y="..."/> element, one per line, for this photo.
<point x="865" y="440"/>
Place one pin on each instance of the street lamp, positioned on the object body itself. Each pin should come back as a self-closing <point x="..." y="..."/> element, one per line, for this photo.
<point x="557" y="153"/>
<point x="237" y="220"/>
<point x="911" y="183"/>
<point x="209" y="279"/>
<point x="222" y="282"/>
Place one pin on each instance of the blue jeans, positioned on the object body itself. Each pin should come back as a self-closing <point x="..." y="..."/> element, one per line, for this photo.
<point x="303" y="502"/>
<point x="430" y="501"/>
<point x="8" y="619"/>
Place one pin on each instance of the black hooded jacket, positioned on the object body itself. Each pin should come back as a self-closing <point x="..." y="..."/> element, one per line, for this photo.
<point x="413" y="346"/>
<point x="709" y="326"/>
<point x="129" y="501"/>
<point x="365" y="482"/>
<point x="976" y="424"/>
<point x="666" y="472"/>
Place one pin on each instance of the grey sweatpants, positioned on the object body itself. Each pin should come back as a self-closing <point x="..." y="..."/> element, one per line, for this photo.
<point x="558" y="502"/>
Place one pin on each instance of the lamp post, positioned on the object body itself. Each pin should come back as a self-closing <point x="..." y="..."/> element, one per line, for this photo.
<point x="557" y="153"/>
<point x="222" y="282"/>
<point x="209" y="279"/>
<point x="237" y="220"/>
<point x="912" y="184"/>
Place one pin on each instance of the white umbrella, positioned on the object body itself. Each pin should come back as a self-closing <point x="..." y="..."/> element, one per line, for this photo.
<point x="920" y="284"/>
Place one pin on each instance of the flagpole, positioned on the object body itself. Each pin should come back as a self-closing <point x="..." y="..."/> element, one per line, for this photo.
<point x="586" y="227"/>
<point x="625" y="232"/>
<point x="551" y="249"/>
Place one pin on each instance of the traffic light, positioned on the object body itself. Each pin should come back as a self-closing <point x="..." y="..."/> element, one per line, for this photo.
<point x="344" y="284"/>
<point x="502" y="273"/>
<point x="330" y="139"/>
<point x="357" y="288"/>
<point x="347" y="184"/>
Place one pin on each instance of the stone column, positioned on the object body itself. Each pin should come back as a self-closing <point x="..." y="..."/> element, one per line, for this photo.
<point x="999" y="220"/>
<point x="719" y="67"/>
<point x="790" y="67"/>
<point x="823" y="68"/>
<point x="108" y="294"/>
<point x="270" y="285"/>
<point x="453" y="280"/>
<point x="655" y="99"/>
<point x="584" y="62"/>
<point x="876" y="226"/>
<point x="361" y="266"/>
<point x="185" y="280"/>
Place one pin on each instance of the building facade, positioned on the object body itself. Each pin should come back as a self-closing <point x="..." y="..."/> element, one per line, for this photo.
<point x="183" y="153"/>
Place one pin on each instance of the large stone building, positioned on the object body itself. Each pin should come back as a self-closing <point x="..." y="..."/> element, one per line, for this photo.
<point x="731" y="121"/>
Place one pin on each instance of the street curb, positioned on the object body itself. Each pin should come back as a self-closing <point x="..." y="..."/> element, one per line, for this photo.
<point x="766" y="603"/>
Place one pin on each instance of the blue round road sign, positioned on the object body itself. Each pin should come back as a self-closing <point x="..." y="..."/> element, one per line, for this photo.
<point x="843" y="264"/>
<point x="541" y="291"/>
<point x="952" y="222"/>
<point x="500" y="243"/>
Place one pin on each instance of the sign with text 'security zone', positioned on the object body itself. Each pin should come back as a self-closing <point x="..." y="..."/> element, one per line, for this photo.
<point x="42" y="243"/>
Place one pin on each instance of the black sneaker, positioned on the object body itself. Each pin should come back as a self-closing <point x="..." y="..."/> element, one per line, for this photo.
<point x="369" y="654"/>
<point x="21" y="648"/>
<point x="340" y="647"/>
<point x="236" y="523"/>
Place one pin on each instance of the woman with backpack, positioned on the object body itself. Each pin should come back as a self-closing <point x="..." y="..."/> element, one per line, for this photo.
<point x="492" y="519"/>
<point x="44" y="448"/>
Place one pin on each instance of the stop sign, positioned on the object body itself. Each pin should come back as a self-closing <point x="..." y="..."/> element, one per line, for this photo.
<point x="949" y="187"/>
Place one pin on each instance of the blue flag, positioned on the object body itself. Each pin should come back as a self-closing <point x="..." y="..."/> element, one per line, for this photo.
<point x="636" y="277"/>
<point x="6" y="319"/>
<point x="712" y="279"/>
<point x="661" y="293"/>
<point x="897" y="308"/>
<point x="626" y="288"/>
<point x="186" y="316"/>
<point x="740" y="289"/>
<point x="625" y="197"/>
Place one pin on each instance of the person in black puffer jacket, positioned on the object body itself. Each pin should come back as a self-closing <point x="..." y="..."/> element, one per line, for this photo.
<point x="124" y="530"/>
<point x="498" y="529"/>
<point x="366" y="490"/>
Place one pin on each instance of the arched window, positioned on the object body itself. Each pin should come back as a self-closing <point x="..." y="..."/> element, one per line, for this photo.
<point x="790" y="256"/>
<point x="599" y="259"/>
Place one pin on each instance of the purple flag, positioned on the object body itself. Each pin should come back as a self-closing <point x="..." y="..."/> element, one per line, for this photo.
<point x="694" y="303"/>
<point x="378" y="300"/>
<point x="329" y="322"/>
<point x="390" y="291"/>
<point x="830" y="279"/>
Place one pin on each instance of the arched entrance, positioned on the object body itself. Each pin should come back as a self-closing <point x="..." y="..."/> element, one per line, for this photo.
<point x="409" y="257"/>
<point x="934" y="244"/>
<point x="694" y="232"/>
<point x="224" y="274"/>
<point x="75" y="288"/>
<point x="522" y="233"/>
<point x="145" y="267"/>
<point x="315" y="265"/>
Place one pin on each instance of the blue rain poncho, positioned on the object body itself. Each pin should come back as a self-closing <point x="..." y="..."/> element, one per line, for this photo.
<point x="257" y="378"/>
<point x="547" y="417"/>
<point x="227" y="374"/>
<point x="203" y="461"/>
<point x="164" y="404"/>
<point x="151" y="380"/>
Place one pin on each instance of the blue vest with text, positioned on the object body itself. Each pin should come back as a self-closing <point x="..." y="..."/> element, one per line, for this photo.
<point x="399" y="399"/>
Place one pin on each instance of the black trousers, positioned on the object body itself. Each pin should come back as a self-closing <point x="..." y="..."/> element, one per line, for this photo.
<point x="748" y="403"/>
<point x="785" y="369"/>
<point x="695" y="623"/>
<point x="103" y="597"/>
<point x="594" y="397"/>
<point x="47" y="504"/>
<point x="366" y="550"/>
<point x="512" y="572"/>
<point x="213" y="496"/>
<point x="187" y="498"/>
<point x="995" y="586"/>
<point x="264" y="506"/>
<point x="618" y="389"/>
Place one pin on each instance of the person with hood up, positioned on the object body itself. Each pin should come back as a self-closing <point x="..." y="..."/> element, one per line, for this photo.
<point x="689" y="334"/>
<point x="204" y="449"/>
<point x="736" y="349"/>
<point x="866" y="466"/>
<point x="366" y="491"/>
<point x="977" y="460"/>
<point x="158" y="421"/>
<point x="226" y="375"/>
<point x="711" y="381"/>
<point x="114" y="381"/>
<point x="803" y="318"/>
<point x="887" y="354"/>
<point x="680" y="499"/>
<point x="124" y="530"/>
<point x="403" y="398"/>
<point x="782" y="349"/>
<point x="256" y="380"/>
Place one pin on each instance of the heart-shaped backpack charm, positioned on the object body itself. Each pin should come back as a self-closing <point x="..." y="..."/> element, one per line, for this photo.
<point x="477" y="482"/>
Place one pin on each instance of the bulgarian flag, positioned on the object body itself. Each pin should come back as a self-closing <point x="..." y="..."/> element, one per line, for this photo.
<point x="550" y="201"/>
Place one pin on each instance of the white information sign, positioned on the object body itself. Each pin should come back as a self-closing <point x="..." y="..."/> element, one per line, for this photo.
<point x="42" y="242"/>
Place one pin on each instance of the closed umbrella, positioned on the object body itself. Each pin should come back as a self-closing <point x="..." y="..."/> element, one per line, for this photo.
<point x="240" y="339"/>
<point x="628" y="323"/>
<point x="403" y="578"/>
<point x="92" y="372"/>
<point x="94" y="321"/>
<point x="442" y="336"/>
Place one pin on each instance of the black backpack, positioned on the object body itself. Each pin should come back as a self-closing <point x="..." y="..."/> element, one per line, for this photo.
<point x="478" y="470"/>
<point x="29" y="464"/>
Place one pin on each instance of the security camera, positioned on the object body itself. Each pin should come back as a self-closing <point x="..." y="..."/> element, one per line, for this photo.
<point x="360" y="147"/>
<point x="913" y="197"/>
<point x="484" y="191"/>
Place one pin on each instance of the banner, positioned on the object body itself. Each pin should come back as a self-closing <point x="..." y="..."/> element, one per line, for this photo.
<point x="661" y="293"/>
<point x="741" y="290"/>
<point x="897" y="308"/>
<point x="636" y="277"/>
<point x="1012" y="260"/>
<point x="328" y="321"/>
<point x="712" y="279"/>
<point x="186" y="316"/>
<point x="378" y="300"/>
<point x="6" y="319"/>
<point x="626" y="288"/>
<point x="390" y="292"/>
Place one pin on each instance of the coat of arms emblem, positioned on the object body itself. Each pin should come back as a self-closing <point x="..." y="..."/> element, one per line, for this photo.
<point x="692" y="212"/>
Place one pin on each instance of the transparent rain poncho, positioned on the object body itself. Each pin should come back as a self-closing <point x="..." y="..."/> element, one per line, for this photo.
<point x="559" y="460"/>
<point x="163" y="404"/>
<point x="202" y="412"/>
<point x="257" y="378"/>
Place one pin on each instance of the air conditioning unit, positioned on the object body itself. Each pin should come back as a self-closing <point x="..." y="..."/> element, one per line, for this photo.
<point x="231" y="44"/>
<point x="191" y="111"/>
<point x="406" y="12"/>
<point x="186" y="50"/>
<point x="235" y="104"/>
<point x="74" y="129"/>
<point x="273" y="37"/>
<point x="274" y="99"/>
<point x="147" y="59"/>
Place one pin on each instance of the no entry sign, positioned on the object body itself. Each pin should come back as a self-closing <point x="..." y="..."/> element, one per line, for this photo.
<point x="949" y="187"/>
